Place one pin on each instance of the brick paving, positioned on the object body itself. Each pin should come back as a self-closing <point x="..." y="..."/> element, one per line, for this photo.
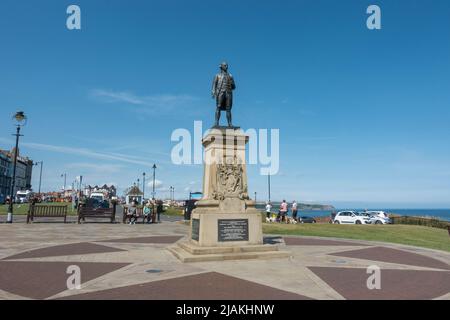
<point x="63" y="250"/>
<point x="394" y="285"/>
<point x="40" y="280"/>
<point x="296" y="241"/>
<point x="394" y="256"/>
<point x="119" y="261"/>
<point x="204" y="286"/>
<point x="153" y="239"/>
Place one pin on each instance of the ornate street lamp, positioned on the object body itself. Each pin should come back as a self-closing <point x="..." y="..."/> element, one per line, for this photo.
<point x="20" y="121"/>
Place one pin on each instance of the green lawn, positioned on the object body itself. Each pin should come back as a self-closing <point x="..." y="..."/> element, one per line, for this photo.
<point x="171" y="211"/>
<point x="23" y="208"/>
<point x="426" y="237"/>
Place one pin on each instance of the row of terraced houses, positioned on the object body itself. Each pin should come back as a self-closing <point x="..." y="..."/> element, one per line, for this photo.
<point x="24" y="171"/>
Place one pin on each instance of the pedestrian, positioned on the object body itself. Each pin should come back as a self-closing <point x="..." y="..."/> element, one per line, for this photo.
<point x="283" y="210"/>
<point x="268" y="209"/>
<point x="294" y="210"/>
<point x="159" y="209"/>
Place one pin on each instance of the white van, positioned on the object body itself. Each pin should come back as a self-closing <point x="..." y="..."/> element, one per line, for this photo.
<point x="97" y="195"/>
<point x="23" y="196"/>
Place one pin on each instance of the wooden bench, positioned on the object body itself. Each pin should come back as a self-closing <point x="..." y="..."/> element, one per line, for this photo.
<point x="43" y="211"/>
<point x="140" y="214"/>
<point x="96" y="213"/>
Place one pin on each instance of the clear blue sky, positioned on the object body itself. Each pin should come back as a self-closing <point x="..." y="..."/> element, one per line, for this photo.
<point x="363" y="115"/>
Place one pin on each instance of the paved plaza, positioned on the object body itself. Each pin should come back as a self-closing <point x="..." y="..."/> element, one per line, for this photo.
<point x="120" y="261"/>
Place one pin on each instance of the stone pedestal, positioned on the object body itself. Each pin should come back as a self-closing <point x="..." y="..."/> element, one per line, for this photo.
<point x="225" y="224"/>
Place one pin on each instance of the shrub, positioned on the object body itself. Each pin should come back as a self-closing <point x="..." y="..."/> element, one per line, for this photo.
<point x="420" y="221"/>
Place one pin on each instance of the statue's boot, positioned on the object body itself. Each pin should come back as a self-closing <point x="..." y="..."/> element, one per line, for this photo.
<point x="216" y="124"/>
<point x="229" y="118"/>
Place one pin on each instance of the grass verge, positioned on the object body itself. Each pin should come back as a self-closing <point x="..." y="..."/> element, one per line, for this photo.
<point x="171" y="211"/>
<point x="419" y="236"/>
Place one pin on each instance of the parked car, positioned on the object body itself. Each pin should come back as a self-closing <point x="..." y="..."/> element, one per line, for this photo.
<point x="306" y="220"/>
<point x="350" y="217"/>
<point x="380" y="214"/>
<point x="376" y="218"/>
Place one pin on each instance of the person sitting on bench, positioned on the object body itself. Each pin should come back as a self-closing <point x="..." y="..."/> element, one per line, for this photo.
<point x="147" y="211"/>
<point x="132" y="212"/>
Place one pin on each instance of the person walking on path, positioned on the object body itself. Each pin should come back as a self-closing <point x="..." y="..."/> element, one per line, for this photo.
<point x="159" y="209"/>
<point x="294" y="210"/>
<point x="283" y="210"/>
<point x="268" y="209"/>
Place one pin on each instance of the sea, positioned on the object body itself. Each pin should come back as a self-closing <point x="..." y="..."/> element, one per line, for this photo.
<point x="441" y="214"/>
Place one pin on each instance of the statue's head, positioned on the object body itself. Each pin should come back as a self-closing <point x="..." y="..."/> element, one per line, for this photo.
<point x="224" y="66"/>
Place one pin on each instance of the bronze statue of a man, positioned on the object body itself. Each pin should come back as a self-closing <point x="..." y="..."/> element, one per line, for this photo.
<point x="222" y="90"/>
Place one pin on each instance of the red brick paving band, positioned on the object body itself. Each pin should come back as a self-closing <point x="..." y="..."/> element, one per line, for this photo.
<point x="296" y="241"/>
<point x="351" y="283"/>
<point x="40" y="280"/>
<point x="152" y="239"/>
<point x="394" y="256"/>
<point x="64" y="250"/>
<point x="204" y="286"/>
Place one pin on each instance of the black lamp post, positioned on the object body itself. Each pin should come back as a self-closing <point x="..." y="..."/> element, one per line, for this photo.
<point x="154" y="173"/>
<point x="255" y="197"/>
<point x="143" y="187"/>
<point x="40" y="175"/>
<point x="81" y="190"/>
<point x="21" y="120"/>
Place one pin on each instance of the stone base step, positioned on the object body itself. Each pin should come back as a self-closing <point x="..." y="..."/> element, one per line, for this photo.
<point x="193" y="249"/>
<point x="183" y="252"/>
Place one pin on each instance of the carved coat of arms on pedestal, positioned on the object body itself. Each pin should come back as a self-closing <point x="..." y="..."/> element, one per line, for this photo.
<point x="230" y="182"/>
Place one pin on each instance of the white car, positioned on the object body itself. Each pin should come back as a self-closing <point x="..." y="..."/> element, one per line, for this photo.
<point x="378" y="217"/>
<point x="350" y="217"/>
